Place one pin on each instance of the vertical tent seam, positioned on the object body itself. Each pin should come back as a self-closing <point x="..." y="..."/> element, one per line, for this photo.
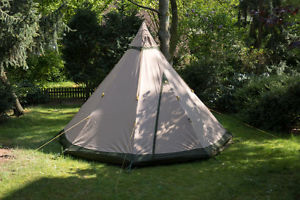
<point x="131" y="140"/>
<point x="157" y="114"/>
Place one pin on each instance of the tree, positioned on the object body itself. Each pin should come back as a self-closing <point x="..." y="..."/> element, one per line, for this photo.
<point x="113" y="41"/>
<point x="167" y="30"/>
<point x="269" y="21"/>
<point x="91" y="50"/>
<point x="49" y="6"/>
<point x="273" y="33"/>
<point x="23" y="30"/>
<point x="81" y="47"/>
<point x="19" y="25"/>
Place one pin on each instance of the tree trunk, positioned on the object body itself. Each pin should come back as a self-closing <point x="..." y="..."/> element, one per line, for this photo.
<point x="260" y="26"/>
<point x="173" y="30"/>
<point x="163" y="32"/>
<point x="168" y="37"/>
<point x="245" y="17"/>
<point x="18" y="109"/>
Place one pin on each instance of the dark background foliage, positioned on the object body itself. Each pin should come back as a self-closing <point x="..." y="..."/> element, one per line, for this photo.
<point x="6" y="99"/>
<point x="91" y="50"/>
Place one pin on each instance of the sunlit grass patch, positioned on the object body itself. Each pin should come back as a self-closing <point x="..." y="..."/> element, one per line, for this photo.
<point x="61" y="84"/>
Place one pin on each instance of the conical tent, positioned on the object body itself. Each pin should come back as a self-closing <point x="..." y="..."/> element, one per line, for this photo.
<point x="143" y="113"/>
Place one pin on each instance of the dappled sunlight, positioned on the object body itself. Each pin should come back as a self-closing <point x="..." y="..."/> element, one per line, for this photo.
<point x="146" y="112"/>
<point x="113" y="102"/>
<point x="174" y="132"/>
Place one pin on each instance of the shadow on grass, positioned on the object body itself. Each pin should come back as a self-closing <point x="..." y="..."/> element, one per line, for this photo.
<point x="245" y="171"/>
<point x="37" y="126"/>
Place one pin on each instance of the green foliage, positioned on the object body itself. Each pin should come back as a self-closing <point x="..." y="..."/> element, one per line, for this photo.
<point x="215" y="39"/>
<point x="273" y="26"/>
<point x="19" y="22"/>
<point x="202" y="80"/>
<point x="24" y="29"/>
<point x="42" y="68"/>
<point x="213" y="43"/>
<point x="254" y="60"/>
<point x="270" y="102"/>
<point x="47" y="67"/>
<point x="217" y="32"/>
<point x="71" y="6"/>
<point x="208" y="33"/>
<point x="30" y="93"/>
<point x="91" y="50"/>
<point x="6" y="98"/>
<point x="117" y="31"/>
<point x="81" y="48"/>
<point x="215" y="86"/>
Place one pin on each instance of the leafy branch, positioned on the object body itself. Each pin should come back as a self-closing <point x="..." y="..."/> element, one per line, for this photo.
<point x="148" y="8"/>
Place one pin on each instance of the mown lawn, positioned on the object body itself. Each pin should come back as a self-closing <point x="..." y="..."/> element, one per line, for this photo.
<point x="61" y="84"/>
<point x="256" y="166"/>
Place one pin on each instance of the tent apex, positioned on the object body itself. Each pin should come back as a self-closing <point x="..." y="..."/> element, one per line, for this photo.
<point x="143" y="38"/>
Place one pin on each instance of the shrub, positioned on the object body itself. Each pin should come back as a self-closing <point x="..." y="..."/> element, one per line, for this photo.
<point x="214" y="85"/>
<point x="42" y="68"/>
<point x="47" y="67"/>
<point x="201" y="79"/>
<point x="270" y="102"/>
<point x="29" y="93"/>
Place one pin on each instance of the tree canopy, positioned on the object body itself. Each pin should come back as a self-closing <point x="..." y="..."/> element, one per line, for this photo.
<point x="91" y="50"/>
<point x="23" y="30"/>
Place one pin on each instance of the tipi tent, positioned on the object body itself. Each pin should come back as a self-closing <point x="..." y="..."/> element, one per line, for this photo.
<point x="143" y="113"/>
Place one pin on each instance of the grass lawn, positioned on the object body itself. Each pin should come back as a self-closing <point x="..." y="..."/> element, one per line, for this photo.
<point x="256" y="166"/>
<point x="61" y="84"/>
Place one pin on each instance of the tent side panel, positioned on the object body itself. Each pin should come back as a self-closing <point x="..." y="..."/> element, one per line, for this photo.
<point x="206" y="126"/>
<point x="111" y="110"/>
<point x="148" y="98"/>
<point x="175" y="132"/>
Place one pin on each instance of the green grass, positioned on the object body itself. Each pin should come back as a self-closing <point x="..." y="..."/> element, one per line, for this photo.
<point x="61" y="84"/>
<point x="256" y="166"/>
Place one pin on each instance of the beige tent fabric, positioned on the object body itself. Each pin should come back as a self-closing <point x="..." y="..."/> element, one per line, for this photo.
<point x="207" y="128"/>
<point x="124" y="109"/>
<point x="175" y="132"/>
<point x="113" y="115"/>
<point x="143" y="38"/>
<point x="149" y="90"/>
